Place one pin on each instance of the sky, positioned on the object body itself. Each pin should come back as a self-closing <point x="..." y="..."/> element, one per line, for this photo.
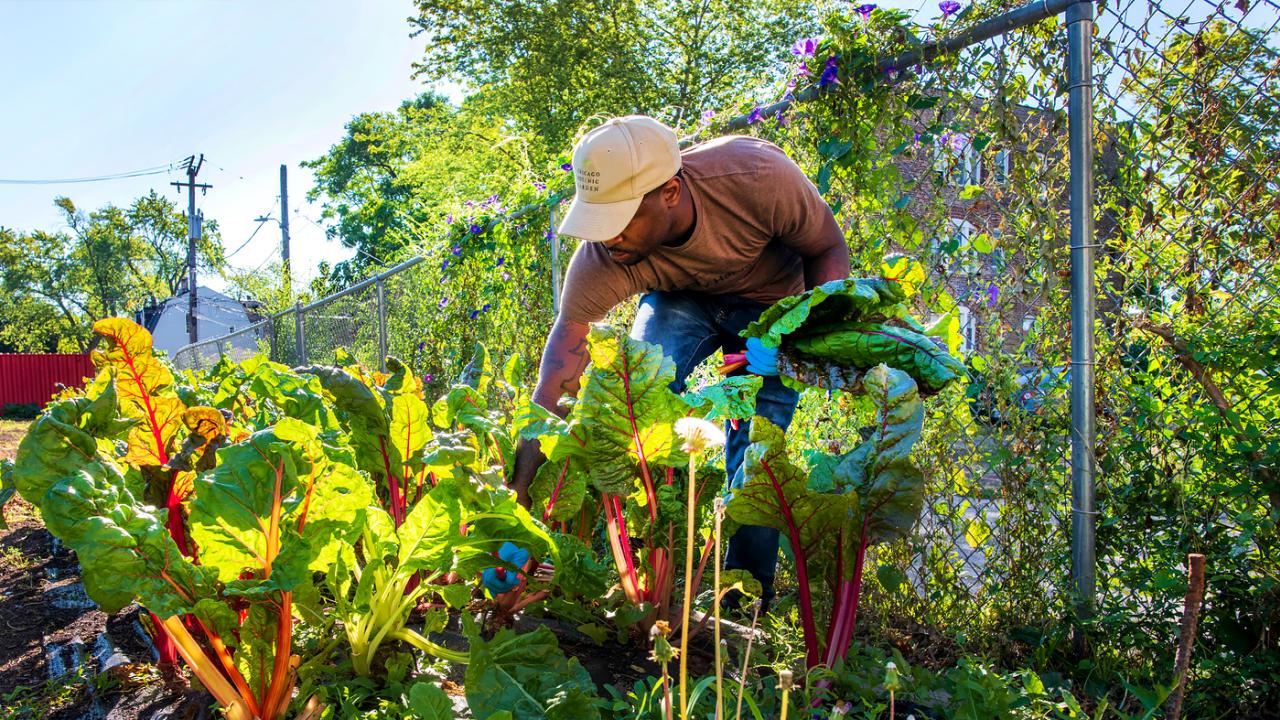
<point x="97" y="87"/>
<point x="106" y="86"/>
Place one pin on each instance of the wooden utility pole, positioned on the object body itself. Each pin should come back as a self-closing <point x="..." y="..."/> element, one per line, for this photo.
<point x="194" y="228"/>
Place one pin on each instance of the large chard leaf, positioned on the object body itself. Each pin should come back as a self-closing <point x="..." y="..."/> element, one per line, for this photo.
<point x="776" y="494"/>
<point x="829" y="303"/>
<point x="888" y="486"/>
<point x="626" y="411"/>
<point x="865" y="344"/>
<point x="124" y="549"/>
<point x="528" y="676"/>
<point x="69" y="435"/>
<point x="733" y="398"/>
<point x="281" y="500"/>
<point x="145" y="388"/>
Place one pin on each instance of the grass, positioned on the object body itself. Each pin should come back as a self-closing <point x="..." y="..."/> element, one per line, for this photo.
<point x="11" y="433"/>
<point x="12" y="557"/>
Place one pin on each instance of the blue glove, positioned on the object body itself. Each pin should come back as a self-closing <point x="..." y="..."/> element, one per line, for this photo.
<point x="501" y="580"/>
<point x="761" y="360"/>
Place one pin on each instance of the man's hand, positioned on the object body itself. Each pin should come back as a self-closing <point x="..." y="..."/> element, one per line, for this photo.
<point x="761" y="360"/>
<point x="499" y="581"/>
<point x="563" y="360"/>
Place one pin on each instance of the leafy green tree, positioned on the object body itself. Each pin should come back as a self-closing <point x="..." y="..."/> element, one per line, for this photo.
<point x="109" y="262"/>
<point x="394" y="170"/>
<point x="553" y="66"/>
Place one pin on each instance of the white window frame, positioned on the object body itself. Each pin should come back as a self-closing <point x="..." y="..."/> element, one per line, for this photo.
<point x="956" y="161"/>
<point x="968" y="329"/>
<point x="1000" y="169"/>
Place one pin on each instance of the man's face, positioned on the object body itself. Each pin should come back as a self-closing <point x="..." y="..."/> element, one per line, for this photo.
<point x="650" y="228"/>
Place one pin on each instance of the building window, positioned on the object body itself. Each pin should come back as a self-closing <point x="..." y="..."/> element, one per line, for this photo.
<point x="957" y="247"/>
<point x="955" y="159"/>
<point x="968" y="330"/>
<point x="1000" y="170"/>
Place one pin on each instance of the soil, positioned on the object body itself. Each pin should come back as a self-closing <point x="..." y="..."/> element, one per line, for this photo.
<point x="62" y="658"/>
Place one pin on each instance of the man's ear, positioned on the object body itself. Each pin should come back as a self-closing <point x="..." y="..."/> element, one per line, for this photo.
<point x="671" y="191"/>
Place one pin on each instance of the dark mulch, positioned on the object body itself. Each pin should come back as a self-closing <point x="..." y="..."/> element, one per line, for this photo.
<point x="49" y="629"/>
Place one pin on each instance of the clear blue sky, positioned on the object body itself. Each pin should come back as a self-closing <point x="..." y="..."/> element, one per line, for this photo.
<point x="92" y="88"/>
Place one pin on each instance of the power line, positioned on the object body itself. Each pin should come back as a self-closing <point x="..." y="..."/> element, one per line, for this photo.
<point x="156" y="170"/>
<point x="263" y="221"/>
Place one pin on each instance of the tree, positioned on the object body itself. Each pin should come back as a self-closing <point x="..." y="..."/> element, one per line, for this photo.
<point x="108" y="262"/>
<point x="552" y="66"/>
<point x="393" y="170"/>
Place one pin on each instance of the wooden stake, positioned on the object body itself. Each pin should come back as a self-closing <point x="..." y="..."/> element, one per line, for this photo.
<point x="1187" y="634"/>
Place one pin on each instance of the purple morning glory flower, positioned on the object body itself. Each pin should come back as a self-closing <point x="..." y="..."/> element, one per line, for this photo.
<point x="948" y="8"/>
<point x="802" y="71"/>
<point x="444" y="302"/>
<point x="805" y="47"/>
<point x="493" y="200"/>
<point x="754" y="117"/>
<point x="548" y="235"/>
<point x="457" y="249"/>
<point x="485" y="308"/>
<point x="782" y="119"/>
<point x="428" y="377"/>
<point x="422" y="345"/>
<point x="567" y="167"/>
<point x="889" y="72"/>
<point x="539" y="186"/>
<point x="476" y="229"/>
<point x="708" y="115"/>
<point x="993" y="294"/>
<point x="865" y="10"/>
<point x="475" y="314"/>
<point x="830" y="73"/>
<point x="469" y="203"/>
<point x="445" y="266"/>
<point x="448" y="219"/>
<point x="501" y="260"/>
<point x="506" y="276"/>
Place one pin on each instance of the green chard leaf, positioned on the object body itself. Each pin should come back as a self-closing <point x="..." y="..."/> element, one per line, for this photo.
<point x="865" y="344"/>
<point x="528" y="676"/>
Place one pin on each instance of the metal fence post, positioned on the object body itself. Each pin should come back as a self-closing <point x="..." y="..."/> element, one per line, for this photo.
<point x="271" y="329"/>
<point x="299" y="326"/>
<point x="1083" y="430"/>
<point x="382" y="326"/>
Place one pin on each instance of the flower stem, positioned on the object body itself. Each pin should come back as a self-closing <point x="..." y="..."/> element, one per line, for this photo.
<point x="688" y="594"/>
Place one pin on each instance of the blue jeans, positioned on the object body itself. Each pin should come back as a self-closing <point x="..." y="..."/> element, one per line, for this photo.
<point x="689" y="327"/>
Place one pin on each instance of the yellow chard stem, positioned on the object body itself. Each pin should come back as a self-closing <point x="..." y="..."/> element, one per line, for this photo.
<point x="204" y="669"/>
<point x="688" y="594"/>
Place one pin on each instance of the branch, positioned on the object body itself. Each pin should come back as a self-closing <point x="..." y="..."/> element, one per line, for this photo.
<point x="1182" y="354"/>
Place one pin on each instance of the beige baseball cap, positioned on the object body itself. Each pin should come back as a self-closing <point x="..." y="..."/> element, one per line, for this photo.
<point x="614" y="165"/>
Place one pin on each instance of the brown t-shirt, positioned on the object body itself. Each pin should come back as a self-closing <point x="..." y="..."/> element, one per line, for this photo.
<point x="757" y="214"/>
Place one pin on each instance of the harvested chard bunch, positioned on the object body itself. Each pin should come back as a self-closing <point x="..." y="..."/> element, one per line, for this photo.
<point x="829" y="336"/>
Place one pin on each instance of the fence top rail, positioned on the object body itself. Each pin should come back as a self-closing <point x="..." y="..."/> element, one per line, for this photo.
<point x="1029" y="14"/>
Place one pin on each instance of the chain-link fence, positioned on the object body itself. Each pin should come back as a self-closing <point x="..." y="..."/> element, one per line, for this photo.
<point x="982" y="156"/>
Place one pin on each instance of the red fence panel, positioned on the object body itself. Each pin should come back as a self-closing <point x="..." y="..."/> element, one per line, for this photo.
<point x="33" y="379"/>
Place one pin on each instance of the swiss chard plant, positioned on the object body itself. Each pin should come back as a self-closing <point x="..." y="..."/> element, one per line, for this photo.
<point x="276" y="508"/>
<point x="831" y="514"/>
<point x="454" y="529"/>
<point x="617" y="452"/>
